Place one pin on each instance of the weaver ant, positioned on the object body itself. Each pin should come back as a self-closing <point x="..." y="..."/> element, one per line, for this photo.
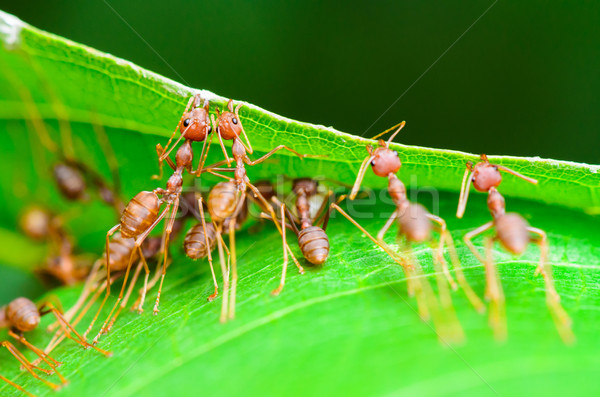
<point x="514" y="234"/>
<point x="415" y="225"/>
<point x="21" y="316"/>
<point x="142" y="213"/>
<point x="312" y="239"/>
<point x="61" y="263"/>
<point x="229" y="127"/>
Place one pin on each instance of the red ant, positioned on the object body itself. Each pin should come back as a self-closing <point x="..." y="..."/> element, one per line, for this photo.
<point x="21" y="316"/>
<point x="312" y="239"/>
<point x="514" y="233"/>
<point x="229" y="127"/>
<point x="61" y="264"/>
<point x="415" y="225"/>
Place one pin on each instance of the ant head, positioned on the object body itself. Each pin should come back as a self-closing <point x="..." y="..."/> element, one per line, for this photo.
<point x="485" y="175"/>
<point x="307" y="185"/>
<point x="195" y="124"/>
<point x="385" y="161"/>
<point x="229" y="124"/>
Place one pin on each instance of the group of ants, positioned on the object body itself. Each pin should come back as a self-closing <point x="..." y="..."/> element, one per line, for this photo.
<point x="129" y="244"/>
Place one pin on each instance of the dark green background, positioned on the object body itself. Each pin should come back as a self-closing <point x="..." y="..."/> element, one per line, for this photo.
<point x="523" y="80"/>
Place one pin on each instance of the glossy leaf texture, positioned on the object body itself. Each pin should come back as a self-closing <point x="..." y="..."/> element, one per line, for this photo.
<point x="346" y="328"/>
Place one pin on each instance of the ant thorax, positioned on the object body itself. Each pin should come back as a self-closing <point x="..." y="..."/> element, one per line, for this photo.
<point x="397" y="192"/>
<point x="184" y="155"/>
<point x="238" y="150"/>
<point x="174" y="184"/>
<point x="486" y="176"/>
<point x="496" y="203"/>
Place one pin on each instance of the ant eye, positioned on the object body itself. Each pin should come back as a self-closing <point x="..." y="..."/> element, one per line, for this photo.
<point x="397" y="154"/>
<point x="373" y="162"/>
<point x="234" y="120"/>
<point x="186" y="122"/>
<point x="209" y="129"/>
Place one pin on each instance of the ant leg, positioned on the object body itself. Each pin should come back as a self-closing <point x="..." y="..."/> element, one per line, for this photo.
<point x="211" y="171"/>
<point x="277" y="290"/>
<point x="58" y="337"/>
<point x="359" y="177"/>
<point x="543" y="243"/>
<point x="443" y="314"/>
<point x="272" y="152"/>
<point x="88" y="287"/>
<point x="380" y="244"/>
<point x="136" y="274"/>
<point x="467" y="239"/>
<point x="68" y="329"/>
<point x="269" y="208"/>
<point x="495" y="294"/>
<point x="210" y="261"/>
<point x="460" y="277"/>
<point x="234" y="275"/>
<point x="387" y="225"/>
<point x="464" y="192"/>
<point x="227" y="159"/>
<point x="203" y="155"/>
<point x="52" y="363"/>
<point x="225" y="273"/>
<point x="249" y="147"/>
<point x="167" y="234"/>
<point x="106" y="264"/>
<point x="440" y="249"/>
<point x="159" y="150"/>
<point x="16" y="386"/>
<point x="104" y="328"/>
<point x="28" y="366"/>
<point x="148" y="286"/>
<point x="399" y="126"/>
<point x="187" y="108"/>
<point x="561" y="319"/>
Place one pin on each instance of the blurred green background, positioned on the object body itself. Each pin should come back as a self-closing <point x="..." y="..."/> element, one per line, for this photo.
<point x="523" y="80"/>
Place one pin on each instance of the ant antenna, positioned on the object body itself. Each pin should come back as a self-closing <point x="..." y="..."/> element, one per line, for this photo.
<point x="518" y="175"/>
<point x="361" y="174"/>
<point x="237" y="109"/>
<point x="212" y="118"/>
<point x="401" y="124"/>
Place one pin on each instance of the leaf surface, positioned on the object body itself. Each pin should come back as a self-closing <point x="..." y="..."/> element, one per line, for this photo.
<point x="346" y="328"/>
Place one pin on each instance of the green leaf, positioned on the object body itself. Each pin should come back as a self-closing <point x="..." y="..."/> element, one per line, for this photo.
<point x="346" y="328"/>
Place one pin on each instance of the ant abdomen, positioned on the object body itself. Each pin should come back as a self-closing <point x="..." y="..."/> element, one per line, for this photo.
<point x="195" y="241"/>
<point x="70" y="181"/>
<point x="139" y="214"/>
<point x="22" y="314"/>
<point x="239" y="219"/>
<point x="314" y="244"/>
<point x="415" y="223"/>
<point x="120" y="249"/>
<point x="36" y="223"/>
<point x="222" y="201"/>
<point x="511" y="230"/>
